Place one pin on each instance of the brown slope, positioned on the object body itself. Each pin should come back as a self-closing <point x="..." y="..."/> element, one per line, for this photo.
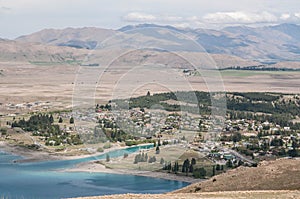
<point x="69" y="36"/>
<point x="32" y="52"/>
<point x="281" y="174"/>
<point x="209" y="195"/>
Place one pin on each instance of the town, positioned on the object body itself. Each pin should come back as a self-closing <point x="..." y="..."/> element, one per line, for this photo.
<point x="244" y="138"/>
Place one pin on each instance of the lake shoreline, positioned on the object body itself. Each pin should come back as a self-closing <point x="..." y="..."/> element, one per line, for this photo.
<point x="94" y="167"/>
<point x="41" y="156"/>
<point x="29" y="156"/>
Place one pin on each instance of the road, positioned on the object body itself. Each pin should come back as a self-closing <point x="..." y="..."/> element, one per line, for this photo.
<point x="243" y="158"/>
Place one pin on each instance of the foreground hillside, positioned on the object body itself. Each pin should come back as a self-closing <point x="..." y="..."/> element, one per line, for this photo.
<point x="272" y="179"/>
<point x="210" y="195"/>
<point x="281" y="174"/>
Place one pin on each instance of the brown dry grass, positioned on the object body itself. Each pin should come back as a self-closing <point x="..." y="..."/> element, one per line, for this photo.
<point x="281" y="174"/>
<point x="23" y="82"/>
<point x="210" y="195"/>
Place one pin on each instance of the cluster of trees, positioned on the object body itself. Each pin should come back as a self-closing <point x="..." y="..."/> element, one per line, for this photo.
<point x="39" y="122"/>
<point x="109" y="129"/>
<point x="103" y="107"/>
<point x="188" y="166"/>
<point x="141" y="157"/>
<point x="63" y="139"/>
<point x="136" y="142"/>
<point x="169" y="167"/>
<point x="239" y="105"/>
<point x="42" y="125"/>
<point x="151" y="101"/>
<point x="235" y="137"/>
<point x="152" y="159"/>
<point x="279" y="148"/>
<point x="260" y="68"/>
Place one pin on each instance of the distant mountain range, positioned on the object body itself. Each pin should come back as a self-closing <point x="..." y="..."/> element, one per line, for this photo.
<point x="263" y="44"/>
<point x="232" y="47"/>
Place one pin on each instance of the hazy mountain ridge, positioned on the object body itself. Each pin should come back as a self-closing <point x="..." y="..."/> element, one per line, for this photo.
<point x="86" y="37"/>
<point x="34" y="52"/>
<point x="266" y="44"/>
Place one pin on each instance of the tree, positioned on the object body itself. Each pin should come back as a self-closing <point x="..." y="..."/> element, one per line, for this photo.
<point x="148" y="94"/>
<point x="186" y="166"/>
<point x="191" y="169"/>
<point x="229" y="164"/>
<point x="240" y="163"/>
<point x="193" y="162"/>
<point x="176" y="167"/>
<point x="159" y="144"/>
<point x="136" y="159"/>
<point x="199" y="173"/>
<point x="51" y="119"/>
<point x="157" y="150"/>
<point x="71" y="120"/>
<point x="107" y="158"/>
<point x="60" y="120"/>
<point x="162" y="161"/>
<point x="236" y="137"/>
<point x="293" y="153"/>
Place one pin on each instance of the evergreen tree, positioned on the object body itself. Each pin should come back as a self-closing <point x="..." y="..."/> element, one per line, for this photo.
<point x="193" y="161"/>
<point x="229" y="164"/>
<point x="162" y="161"/>
<point x="107" y="158"/>
<point x="71" y="120"/>
<point x="157" y="150"/>
<point x="51" y="119"/>
<point x="191" y="169"/>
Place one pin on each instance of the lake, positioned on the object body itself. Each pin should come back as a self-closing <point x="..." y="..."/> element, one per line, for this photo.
<point x="41" y="180"/>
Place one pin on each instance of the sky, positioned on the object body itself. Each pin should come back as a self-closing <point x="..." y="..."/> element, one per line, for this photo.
<point x="20" y="17"/>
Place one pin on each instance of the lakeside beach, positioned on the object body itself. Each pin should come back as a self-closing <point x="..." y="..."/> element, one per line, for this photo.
<point x="93" y="166"/>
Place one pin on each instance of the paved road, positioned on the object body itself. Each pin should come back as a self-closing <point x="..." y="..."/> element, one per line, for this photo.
<point x="245" y="159"/>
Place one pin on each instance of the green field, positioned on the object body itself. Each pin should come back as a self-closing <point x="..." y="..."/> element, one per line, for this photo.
<point x="247" y="73"/>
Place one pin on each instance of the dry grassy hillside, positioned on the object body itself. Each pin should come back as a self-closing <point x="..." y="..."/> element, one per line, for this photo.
<point x="12" y="51"/>
<point x="281" y="174"/>
<point x="210" y="195"/>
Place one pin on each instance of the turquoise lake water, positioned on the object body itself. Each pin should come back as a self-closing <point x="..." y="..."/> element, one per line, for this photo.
<point x="40" y="180"/>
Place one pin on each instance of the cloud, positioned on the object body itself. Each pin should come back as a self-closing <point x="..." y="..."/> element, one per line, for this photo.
<point x="139" y="17"/>
<point x="297" y="15"/>
<point x="285" y="16"/>
<point x="4" y="9"/>
<point x="144" y="17"/>
<point x="219" y="19"/>
<point x="239" y="17"/>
